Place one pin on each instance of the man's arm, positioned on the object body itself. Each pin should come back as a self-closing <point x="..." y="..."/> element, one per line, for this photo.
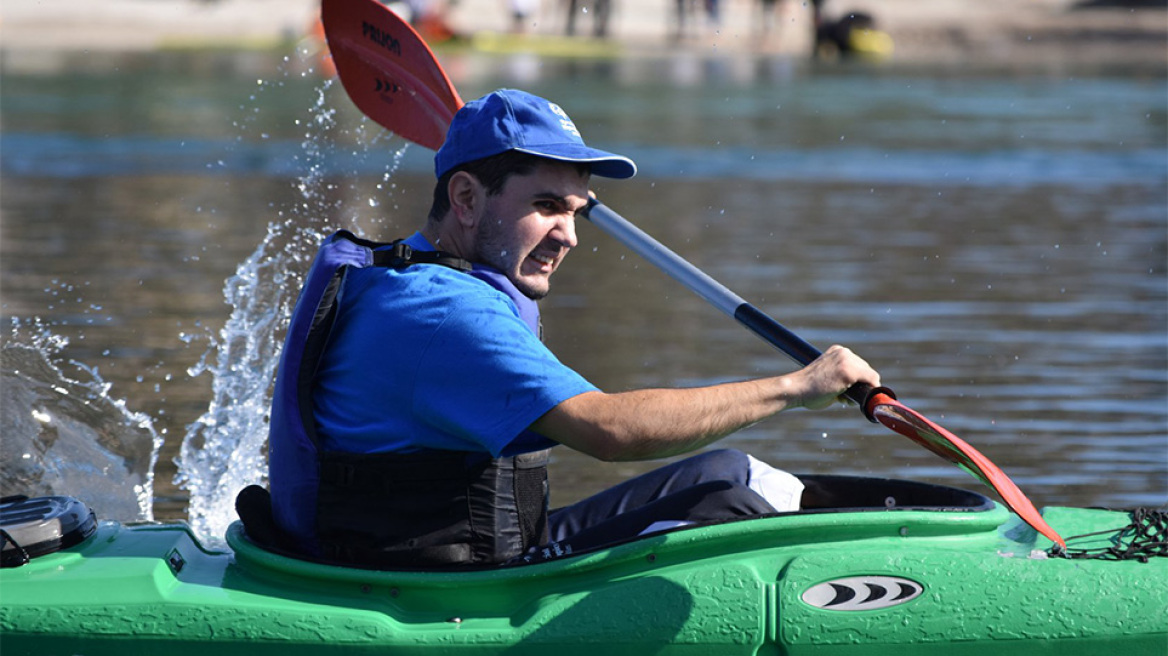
<point x="657" y="423"/>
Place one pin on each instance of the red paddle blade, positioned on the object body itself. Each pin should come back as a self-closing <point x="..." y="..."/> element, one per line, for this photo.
<point x="916" y="427"/>
<point x="388" y="70"/>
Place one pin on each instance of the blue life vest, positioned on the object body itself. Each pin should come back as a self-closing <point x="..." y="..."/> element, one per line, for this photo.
<point x="425" y="509"/>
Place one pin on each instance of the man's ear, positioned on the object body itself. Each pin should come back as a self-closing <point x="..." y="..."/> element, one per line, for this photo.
<point x="467" y="198"/>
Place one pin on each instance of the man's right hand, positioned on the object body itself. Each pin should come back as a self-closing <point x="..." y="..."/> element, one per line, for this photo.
<point x="824" y="381"/>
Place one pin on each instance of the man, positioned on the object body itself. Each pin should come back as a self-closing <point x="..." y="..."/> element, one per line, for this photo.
<point x="416" y="403"/>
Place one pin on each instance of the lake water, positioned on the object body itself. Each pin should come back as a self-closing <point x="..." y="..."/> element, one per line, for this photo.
<point x="995" y="242"/>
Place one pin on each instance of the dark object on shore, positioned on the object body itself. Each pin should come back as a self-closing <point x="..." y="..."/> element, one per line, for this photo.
<point x="853" y="35"/>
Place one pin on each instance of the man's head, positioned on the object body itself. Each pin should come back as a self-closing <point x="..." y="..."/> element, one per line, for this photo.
<point x="512" y="174"/>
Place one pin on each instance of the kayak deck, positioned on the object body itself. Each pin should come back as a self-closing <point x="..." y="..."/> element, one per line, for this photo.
<point x="976" y="581"/>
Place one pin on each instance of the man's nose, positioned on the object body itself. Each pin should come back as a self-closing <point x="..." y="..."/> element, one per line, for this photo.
<point x="565" y="231"/>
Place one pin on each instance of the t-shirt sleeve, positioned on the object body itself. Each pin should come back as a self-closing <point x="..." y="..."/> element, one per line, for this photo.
<point x="484" y="377"/>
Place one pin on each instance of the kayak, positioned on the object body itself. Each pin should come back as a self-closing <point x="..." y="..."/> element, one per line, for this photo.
<point x="872" y="566"/>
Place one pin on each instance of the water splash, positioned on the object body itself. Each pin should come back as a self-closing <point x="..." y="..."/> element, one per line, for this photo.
<point x="225" y="449"/>
<point x="64" y="432"/>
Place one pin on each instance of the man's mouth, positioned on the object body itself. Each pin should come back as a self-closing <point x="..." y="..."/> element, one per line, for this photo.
<point x="544" y="260"/>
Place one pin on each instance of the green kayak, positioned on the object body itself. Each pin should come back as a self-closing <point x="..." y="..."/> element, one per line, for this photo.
<point x="884" y="567"/>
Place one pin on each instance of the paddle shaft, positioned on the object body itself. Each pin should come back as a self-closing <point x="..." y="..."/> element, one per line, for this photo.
<point x="715" y="293"/>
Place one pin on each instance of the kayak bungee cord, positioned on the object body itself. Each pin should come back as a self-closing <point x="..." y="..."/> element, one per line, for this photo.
<point x="393" y="77"/>
<point x="1145" y="537"/>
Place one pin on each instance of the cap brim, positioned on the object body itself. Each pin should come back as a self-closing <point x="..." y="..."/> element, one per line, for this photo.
<point x="602" y="163"/>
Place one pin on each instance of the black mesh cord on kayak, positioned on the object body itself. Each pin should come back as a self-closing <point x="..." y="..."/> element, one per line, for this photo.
<point x="1145" y="537"/>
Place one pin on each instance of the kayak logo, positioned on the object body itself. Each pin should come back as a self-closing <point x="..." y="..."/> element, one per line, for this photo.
<point x="862" y="593"/>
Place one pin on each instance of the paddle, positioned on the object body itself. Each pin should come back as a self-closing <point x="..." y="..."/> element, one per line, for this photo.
<point x="392" y="76"/>
<point x="878" y="404"/>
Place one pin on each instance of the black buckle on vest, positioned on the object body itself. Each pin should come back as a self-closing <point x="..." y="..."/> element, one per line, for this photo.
<point x="400" y="255"/>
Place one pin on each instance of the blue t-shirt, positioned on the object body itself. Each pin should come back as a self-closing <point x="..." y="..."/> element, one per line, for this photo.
<point x="430" y="357"/>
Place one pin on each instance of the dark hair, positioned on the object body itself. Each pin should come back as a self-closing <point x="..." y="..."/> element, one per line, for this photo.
<point x="492" y="172"/>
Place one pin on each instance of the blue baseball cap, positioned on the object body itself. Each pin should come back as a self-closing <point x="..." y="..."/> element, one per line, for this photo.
<point x="508" y="119"/>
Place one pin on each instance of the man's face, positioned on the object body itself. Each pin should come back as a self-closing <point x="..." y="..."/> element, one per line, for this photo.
<point x="528" y="228"/>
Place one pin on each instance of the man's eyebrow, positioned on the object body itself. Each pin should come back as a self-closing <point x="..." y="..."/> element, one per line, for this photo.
<point x="558" y="199"/>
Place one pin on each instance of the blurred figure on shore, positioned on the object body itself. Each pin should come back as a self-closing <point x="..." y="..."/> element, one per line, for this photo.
<point x="686" y="19"/>
<point x="600" y="10"/>
<point x="852" y="35"/>
<point x="766" y="23"/>
<point x="521" y="13"/>
<point x="713" y="14"/>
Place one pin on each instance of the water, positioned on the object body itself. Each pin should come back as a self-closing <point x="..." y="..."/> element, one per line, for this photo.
<point x="994" y="241"/>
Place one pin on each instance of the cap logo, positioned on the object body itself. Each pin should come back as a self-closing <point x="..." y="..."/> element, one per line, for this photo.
<point x="566" y="123"/>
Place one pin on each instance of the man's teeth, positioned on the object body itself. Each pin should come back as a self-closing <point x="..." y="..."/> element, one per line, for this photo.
<point x="543" y="259"/>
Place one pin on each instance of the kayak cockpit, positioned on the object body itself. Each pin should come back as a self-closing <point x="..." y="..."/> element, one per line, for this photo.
<point x="835" y="508"/>
<point x="838" y="493"/>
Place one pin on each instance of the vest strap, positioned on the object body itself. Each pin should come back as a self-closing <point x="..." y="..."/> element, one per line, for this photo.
<point x="400" y="255"/>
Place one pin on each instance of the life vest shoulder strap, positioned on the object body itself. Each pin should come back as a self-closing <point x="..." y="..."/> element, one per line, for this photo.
<point x="400" y="255"/>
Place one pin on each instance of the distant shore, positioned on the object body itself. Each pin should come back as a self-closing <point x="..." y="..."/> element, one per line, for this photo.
<point x="933" y="31"/>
